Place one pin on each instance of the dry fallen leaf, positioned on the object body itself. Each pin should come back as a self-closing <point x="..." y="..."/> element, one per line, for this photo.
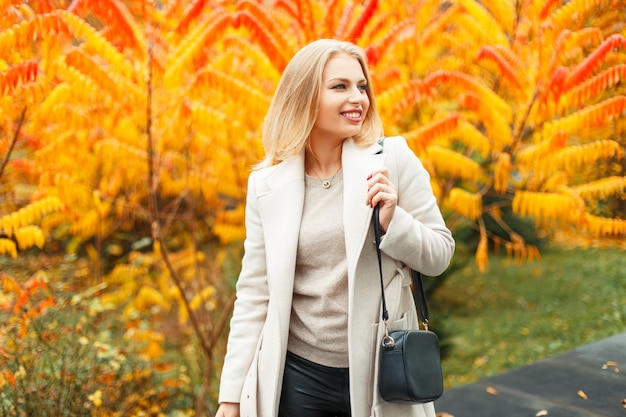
<point x="444" y="414"/>
<point x="624" y="402"/>
<point x="492" y="391"/>
<point x="541" y="413"/>
<point x="582" y="395"/>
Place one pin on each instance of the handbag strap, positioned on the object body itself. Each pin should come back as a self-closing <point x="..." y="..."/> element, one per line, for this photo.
<point x="419" y="296"/>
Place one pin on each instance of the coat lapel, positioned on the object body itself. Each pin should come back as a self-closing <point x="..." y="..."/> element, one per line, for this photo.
<point x="280" y="200"/>
<point x="281" y="207"/>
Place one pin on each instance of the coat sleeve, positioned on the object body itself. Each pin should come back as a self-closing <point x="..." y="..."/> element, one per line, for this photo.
<point x="417" y="234"/>
<point x="250" y="308"/>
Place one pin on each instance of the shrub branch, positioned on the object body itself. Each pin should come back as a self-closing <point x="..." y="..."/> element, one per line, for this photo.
<point x="20" y="122"/>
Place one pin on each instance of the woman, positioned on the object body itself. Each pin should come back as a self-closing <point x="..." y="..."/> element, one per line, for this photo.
<point x="305" y="329"/>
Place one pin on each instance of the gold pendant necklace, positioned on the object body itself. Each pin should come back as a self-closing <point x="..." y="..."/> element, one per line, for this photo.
<point x="326" y="183"/>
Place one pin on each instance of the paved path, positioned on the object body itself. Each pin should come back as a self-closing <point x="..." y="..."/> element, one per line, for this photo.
<point x="550" y="387"/>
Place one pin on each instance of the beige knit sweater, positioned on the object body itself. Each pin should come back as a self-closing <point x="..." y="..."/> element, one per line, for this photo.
<point x="318" y="329"/>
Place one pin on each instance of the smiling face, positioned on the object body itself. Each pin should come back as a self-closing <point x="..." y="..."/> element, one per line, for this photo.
<point x="343" y="100"/>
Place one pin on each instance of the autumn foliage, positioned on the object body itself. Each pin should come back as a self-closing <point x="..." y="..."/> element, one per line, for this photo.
<point x="128" y="129"/>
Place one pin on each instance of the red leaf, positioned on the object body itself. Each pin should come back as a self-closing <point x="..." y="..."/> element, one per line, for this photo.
<point x="366" y="15"/>
<point x="488" y="52"/>
<point x="191" y="13"/>
<point x="586" y="68"/>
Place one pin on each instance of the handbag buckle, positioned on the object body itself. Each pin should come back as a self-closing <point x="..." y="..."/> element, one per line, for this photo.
<point x="387" y="341"/>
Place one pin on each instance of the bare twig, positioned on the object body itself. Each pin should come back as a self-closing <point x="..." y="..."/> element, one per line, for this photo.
<point x="224" y="319"/>
<point x="157" y="234"/>
<point x="5" y="160"/>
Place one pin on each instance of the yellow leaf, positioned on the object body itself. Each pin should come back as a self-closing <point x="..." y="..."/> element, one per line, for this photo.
<point x="491" y="390"/>
<point x="549" y="206"/>
<point x="8" y="246"/>
<point x="449" y="162"/>
<point x="602" y="188"/>
<point x="582" y="394"/>
<point x="604" y="227"/>
<point x="473" y="138"/>
<point x="149" y="297"/>
<point x="29" y="236"/>
<point x="482" y="252"/>
<point x="501" y="173"/>
<point x="465" y="203"/>
<point x="96" y="398"/>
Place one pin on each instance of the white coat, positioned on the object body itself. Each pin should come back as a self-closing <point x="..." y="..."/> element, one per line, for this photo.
<point x="416" y="237"/>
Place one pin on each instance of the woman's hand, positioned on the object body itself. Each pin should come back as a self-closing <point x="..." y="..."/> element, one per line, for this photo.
<point x="228" y="410"/>
<point x="380" y="189"/>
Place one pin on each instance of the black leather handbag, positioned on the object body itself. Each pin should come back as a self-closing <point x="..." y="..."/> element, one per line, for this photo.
<point x="409" y="364"/>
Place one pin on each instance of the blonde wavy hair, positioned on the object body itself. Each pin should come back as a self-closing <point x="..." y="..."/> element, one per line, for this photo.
<point x="293" y="110"/>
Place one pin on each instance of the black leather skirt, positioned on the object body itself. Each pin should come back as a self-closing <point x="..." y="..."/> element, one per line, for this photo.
<point x="313" y="390"/>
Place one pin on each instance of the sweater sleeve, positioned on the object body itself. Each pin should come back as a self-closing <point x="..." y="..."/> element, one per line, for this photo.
<point x="250" y="308"/>
<point x="417" y="234"/>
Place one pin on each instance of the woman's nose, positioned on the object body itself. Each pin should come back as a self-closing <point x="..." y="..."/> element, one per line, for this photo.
<point x="357" y="95"/>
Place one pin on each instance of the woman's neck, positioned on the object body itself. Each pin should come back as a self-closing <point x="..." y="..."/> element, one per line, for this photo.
<point x="323" y="163"/>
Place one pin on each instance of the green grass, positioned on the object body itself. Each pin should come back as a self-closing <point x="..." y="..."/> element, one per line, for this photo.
<point x="516" y="314"/>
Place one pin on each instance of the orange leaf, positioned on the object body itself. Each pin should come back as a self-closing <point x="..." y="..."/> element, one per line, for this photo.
<point x="585" y="68"/>
<point x="172" y="383"/>
<point x="395" y="34"/>
<point x="488" y="52"/>
<point x="264" y="35"/>
<point x="4" y="353"/>
<point x="582" y="394"/>
<point x="265" y="21"/>
<point x="163" y="366"/>
<point x="22" y="73"/>
<point x="547" y="8"/>
<point x="491" y="390"/>
<point x="7" y="377"/>
<point x="190" y="14"/>
<point x="305" y="16"/>
<point x="115" y="14"/>
<point x="594" y="86"/>
<point x="424" y="135"/>
<point x="154" y="350"/>
<point x="366" y="15"/>
<point x="348" y="11"/>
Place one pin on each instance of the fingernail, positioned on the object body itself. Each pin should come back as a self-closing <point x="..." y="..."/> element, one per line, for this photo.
<point x="369" y="176"/>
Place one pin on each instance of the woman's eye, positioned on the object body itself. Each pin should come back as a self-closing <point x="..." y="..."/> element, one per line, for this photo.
<point x="363" y="87"/>
<point x="339" y="87"/>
